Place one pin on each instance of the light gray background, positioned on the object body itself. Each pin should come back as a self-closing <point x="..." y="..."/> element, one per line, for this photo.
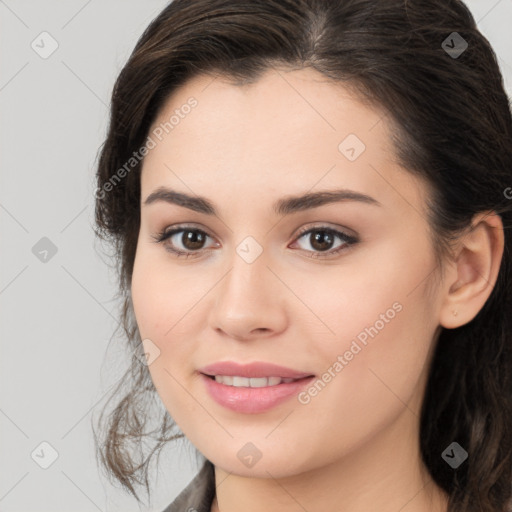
<point x="57" y="317"/>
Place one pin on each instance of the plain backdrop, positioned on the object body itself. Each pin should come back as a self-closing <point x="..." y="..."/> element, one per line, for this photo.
<point x="57" y="304"/>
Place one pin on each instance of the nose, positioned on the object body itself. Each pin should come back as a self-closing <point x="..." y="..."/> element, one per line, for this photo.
<point x="249" y="301"/>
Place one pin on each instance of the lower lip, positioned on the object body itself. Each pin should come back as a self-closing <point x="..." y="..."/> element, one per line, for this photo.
<point x="253" y="400"/>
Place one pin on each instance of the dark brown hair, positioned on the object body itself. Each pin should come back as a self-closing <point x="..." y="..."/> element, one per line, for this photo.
<point x="451" y="125"/>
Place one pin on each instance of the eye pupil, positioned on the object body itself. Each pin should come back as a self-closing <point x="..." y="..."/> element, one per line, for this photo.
<point x="192" y="240"/>
<point x="319" y="237"/>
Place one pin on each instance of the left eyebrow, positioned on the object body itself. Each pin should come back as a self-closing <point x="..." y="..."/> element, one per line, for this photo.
<point x="284" y="206"/>
<point x="292" y="204"/>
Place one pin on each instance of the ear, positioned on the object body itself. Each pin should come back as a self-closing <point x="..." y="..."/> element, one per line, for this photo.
<point x="471" y="276"/>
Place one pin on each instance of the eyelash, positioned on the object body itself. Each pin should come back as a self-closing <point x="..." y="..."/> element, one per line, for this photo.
<point x="347" y="239"/>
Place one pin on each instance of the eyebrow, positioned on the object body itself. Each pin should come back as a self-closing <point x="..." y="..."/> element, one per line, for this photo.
<point x="284" y="206"/>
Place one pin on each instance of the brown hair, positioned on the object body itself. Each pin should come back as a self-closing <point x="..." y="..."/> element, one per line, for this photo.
<point x="452" y="126"/>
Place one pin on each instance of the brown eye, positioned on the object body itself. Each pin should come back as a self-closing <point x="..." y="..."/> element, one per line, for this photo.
<point x="193" y="239"/>
<point x="183" y="241"/>
<point x="322" y="241"/>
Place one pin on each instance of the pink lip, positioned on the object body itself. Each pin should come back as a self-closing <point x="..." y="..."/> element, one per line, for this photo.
<point x="253" y="400"/>
<point x="257" y="369"/>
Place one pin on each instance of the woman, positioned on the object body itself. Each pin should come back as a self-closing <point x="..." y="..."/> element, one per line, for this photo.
<point x="308" y="202"/>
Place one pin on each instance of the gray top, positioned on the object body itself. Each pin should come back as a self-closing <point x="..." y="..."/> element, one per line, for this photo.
<point x="199" y="493"/>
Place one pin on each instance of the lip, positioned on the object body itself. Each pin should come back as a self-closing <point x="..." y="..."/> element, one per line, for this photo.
<point x="253" y="400"/>
<point x="255" y="369"/>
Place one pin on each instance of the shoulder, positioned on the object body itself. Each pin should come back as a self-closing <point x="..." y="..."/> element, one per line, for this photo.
<point x="199" y="493"/>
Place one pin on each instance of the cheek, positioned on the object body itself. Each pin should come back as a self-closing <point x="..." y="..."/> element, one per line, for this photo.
<point x="166" y="301"/>
<point x="380" y="323"/>
<point x="157" y="307"/>
<point x="374" y="366"/>
<point x="161" y="295"/>
<point x="368" y="295"/>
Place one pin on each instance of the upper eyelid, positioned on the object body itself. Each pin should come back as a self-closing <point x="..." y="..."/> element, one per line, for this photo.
<point x="327" y="227"/>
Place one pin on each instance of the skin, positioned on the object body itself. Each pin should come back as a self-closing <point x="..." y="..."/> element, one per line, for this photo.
<point x="355" y="444"/>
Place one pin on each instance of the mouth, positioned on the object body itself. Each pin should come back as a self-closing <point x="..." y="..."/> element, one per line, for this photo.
<point x="252" y="382"/>
<point x="253" y="395"/>
<point x="239" y="373"/>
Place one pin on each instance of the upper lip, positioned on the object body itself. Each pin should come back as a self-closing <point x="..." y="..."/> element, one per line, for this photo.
<point x="255" y="369"/>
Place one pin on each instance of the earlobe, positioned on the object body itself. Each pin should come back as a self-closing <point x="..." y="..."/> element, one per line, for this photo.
<point x="475" y="270"/>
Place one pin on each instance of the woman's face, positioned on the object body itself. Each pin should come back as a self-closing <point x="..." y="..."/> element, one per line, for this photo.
<point x="265" y="281"/>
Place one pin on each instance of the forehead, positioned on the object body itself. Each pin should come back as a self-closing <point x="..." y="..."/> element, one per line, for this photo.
<point x="288" y="131"/>
<point x="300" y="104"/>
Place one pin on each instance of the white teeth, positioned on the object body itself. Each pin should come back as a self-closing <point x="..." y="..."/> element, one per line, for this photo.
<point x="239" y="382"/>
<point x="227" y="379"/>
<point x="253" y="382"/>
<point x="258" y="382"/>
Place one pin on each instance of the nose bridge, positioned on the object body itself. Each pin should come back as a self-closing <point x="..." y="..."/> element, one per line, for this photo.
<point x="249" y="300"/>
<point x="248" y="279"/>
